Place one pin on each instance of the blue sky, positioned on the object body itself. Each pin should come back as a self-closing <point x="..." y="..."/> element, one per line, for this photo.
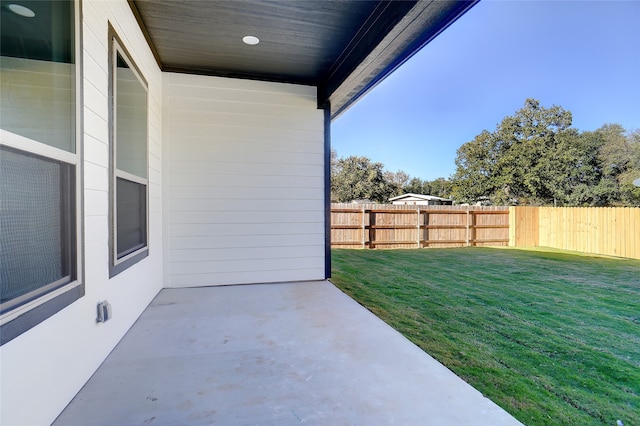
<point x="581" y="55"/>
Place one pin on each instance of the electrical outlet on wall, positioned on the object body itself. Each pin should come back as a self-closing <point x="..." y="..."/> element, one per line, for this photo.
<point x="104" y="311"/>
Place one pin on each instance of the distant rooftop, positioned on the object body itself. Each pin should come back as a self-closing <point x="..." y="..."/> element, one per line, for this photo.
<point x="417" y="197"/>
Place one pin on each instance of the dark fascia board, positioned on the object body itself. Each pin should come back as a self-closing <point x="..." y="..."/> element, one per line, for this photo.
<point x="384" y="18"/>
<point x="423" y="23"/>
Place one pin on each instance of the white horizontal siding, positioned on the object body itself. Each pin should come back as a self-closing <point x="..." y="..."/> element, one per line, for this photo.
<point x="245" y="277"/>
<point x="245" y="184"/>
<point x="247" y="216"/>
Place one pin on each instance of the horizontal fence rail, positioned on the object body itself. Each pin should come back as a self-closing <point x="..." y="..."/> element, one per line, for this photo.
<point x="389" y="226"/>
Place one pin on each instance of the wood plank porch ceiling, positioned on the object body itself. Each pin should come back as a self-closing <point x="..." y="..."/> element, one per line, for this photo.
<point x="344" y="47"/>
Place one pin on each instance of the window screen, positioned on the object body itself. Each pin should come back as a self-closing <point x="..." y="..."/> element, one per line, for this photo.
<point x="131" y="216"/>
<point x="37" y="226"/>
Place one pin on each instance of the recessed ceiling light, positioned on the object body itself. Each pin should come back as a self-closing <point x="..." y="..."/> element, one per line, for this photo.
<point x="21" y="10"/>
<point x="251" y="40"/>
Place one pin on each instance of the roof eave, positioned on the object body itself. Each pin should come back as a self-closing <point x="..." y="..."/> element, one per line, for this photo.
<point x="425" y="21"/>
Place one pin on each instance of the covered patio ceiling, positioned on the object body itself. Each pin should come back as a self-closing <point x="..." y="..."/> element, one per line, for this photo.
<point x="344" y="47"/>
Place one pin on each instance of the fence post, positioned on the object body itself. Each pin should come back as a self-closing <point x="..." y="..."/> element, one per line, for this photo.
<point x="418" y="226"/>
<point x="372" y="222"/>
<point x="512" y="226"/>
<point x="364" y="237"/>
<point x="468" y="229"/>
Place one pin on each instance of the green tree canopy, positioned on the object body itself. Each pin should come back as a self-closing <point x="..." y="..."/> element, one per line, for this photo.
<point x="359" y="178"/>
<point x="535" y="157"/>
<point x="397" y="181"/>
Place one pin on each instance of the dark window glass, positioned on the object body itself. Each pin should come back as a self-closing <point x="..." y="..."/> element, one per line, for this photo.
<point x="131" y="200"/>
<point x="37" y="29"/>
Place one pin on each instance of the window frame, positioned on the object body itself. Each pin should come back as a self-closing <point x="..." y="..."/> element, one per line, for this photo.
<point x="116" y="264"/>
<point x="32" y="309"/>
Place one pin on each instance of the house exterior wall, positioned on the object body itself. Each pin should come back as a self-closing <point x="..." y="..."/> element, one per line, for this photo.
<point x="43" y="368"/>
<point x="420" y="201"/>
<point x="416" y="202"/>
<point x="245" y="182"/>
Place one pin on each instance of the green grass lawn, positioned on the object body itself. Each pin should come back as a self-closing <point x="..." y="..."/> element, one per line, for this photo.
<point x="552" y="337"/>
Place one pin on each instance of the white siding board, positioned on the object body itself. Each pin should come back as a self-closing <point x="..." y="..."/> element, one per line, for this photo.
<point x="243" y="265"/>
<point x="245" y="184"/>
<point x="238" y="205"/>
<point x="239" y="241"/>
<point x="199" y="133"/>
<point x="96" y="177"/>
<point x="99" y="226"/>
<point x="95" y="42"/>
<point x="95" y="74"/>
<point x="183" y="179"/>
<point x="273" y="144"/>
<point x="255" y="121"/>
<point x="239" y="96"/>
<point x="278" y="157"/>
<point x="225" y="229"/>
<point x="96" y="100"/>
<point x="255" y="158"/>
<point x="246" y="192"/>
<point x="246" y="277"/>
<point x="189" y="217"/>
<point x="201" y="84"/>
<point x="96" y="152"/>
<point x="252" y="168"/>
<point x="243" y="103"/>
<point x="203" y="255"/>
<point x="96" y="249"/>
<point x="95" y="125"/>
<point x="96" y="203"/>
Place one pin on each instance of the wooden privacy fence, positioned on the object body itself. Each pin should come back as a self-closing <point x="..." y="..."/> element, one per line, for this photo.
<point x="611" y="231"/>
<point x="387" y="226"/>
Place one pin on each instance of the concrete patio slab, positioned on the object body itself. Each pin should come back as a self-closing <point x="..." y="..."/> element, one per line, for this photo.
<point x="272" y="354"/>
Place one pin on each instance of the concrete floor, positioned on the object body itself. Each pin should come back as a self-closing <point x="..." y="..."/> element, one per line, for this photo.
<point x="273" y="354"/>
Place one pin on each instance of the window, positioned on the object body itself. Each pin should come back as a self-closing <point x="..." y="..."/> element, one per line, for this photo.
<point x="39" y="163"/>
<point x="129" y="177"/>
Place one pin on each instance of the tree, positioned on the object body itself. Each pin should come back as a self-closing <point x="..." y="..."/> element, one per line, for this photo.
<point x="440" y="187"/>
<point x="359" y="178"/>
<point x="334" y="161"/>
<point x="534" y="157"/>
<point x="527" y="147"/>
<point x="475" y="165"/>
<point x="397" y="181"/>
<point x="414" y="186"/>
<point x="620" y="159"/>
